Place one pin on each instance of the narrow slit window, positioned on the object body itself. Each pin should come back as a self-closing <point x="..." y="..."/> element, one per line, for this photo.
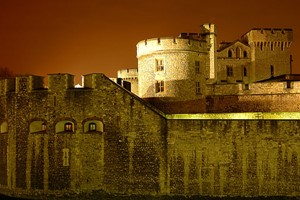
<point x="66" y="157"/>
<point x="198" y="88"/>
<point x="197" y="67"/>
<point x="245" y="71"/>
<point x="272" y="70"/>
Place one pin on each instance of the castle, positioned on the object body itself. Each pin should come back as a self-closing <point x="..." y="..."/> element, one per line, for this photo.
<point x="200" y="120"/>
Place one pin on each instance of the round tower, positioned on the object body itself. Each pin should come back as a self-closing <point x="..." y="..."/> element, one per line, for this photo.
<point x="173" y="68"/>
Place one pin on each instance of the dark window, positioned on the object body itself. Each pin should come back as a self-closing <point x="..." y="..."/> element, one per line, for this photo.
<point x="229" y="71"/>
<point x="229" y="54"/>
<point x="198" y="88"/>
<point x="197" y="67"/>
<point x="288" y="84"/>
<point x="245" y="54"/>
<point x="246" y="87"/>
<point x="272" y="70"/>
<point x="159" y="86"/>
<point x="92" y="126"/>
<point x="68" y="127"/>
<point x="245" y="71"/>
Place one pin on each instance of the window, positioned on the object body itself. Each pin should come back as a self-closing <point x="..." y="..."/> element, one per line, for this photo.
<point x="159" y="86"/>
<point x="288" y="84"/>
<point x="245" y="54"/>
<point x="197" y="66"/>
<point x="246" y="87"/>
<point x="198" y="88"/>
<point x="229" y="71"/>
<point x="159" y="65"/>
<point x="245" y="71"/>
<point x="68" y="126"/>
<point x="44" y="126"/>
<point x="66" y="157"/>
<point x="229" y="54"/>
<point x="92" y="127"/>
<point x="272" y="70"/>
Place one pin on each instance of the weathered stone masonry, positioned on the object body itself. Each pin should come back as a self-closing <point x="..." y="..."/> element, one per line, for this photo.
<point x="125" y="155"/>
<point x="135" y="148"/>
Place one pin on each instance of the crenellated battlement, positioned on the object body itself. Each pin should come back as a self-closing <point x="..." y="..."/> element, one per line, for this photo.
<point x="268" y="35"/>
<point x="56" y="82"/>
<point x="155" y="45"/>
<point x="128" y="73"/>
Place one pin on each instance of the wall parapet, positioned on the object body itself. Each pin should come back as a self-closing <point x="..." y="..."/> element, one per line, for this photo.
<point x="238" y="116"/>
<point x="154" y="45"/>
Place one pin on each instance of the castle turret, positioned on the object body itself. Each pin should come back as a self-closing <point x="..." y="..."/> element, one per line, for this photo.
<point x="172" y="67"/>
<point x="270" y="52"/>
<point x="209" y="32"/>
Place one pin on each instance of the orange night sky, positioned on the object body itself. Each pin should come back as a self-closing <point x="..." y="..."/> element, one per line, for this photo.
<point x="84" y="36"/>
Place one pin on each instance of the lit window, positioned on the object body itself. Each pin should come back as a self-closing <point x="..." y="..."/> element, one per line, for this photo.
<point x="229" y="71"/>
<point x="159" y="65"/>
<point x="197" y="66"/>
<point x="198" y="88"/>
<point x="66" y="157"/>
<point x="44" y="126"/>
<point x="68" y="126"/>
<point x="159" y="86"/>
<point x="92" y="127"/>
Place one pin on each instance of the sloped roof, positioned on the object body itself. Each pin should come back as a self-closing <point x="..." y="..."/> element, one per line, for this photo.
<point x="228" y="44"/>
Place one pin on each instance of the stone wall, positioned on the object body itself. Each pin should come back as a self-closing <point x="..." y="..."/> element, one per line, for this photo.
<point x="234" y="157"/>
<point x="126" y="155"/>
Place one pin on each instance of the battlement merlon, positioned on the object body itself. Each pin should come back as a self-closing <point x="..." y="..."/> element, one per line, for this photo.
<point x="58" y="82"/>
<point x="128" y="73"/>
<point x="156" y="45"/>
<point x="7" y="85"/>
<point x="268" y="35"/>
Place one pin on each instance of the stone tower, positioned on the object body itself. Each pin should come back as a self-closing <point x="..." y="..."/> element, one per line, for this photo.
<point x="270" y="52"/>
<point x="209" y="32"/>
<point x="176" y="68"/>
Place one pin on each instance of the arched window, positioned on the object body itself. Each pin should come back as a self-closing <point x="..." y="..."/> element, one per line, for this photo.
<point x="272" y="70"/>
<point x="65" y="126"/>
<point x="229" y="53"/>
<point x="37" y="127"/>
<point x="245" y="54"/>
<point x="238" y="52"/>
<point x="92" y="125"/>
